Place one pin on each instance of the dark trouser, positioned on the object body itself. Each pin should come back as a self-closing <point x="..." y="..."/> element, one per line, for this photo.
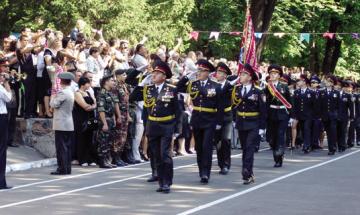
<point x="204" y="149"/>
<point x="315" y="135"/>
<point x="351" y="133"/>
<point x="160" y="147"/>
<point x="305" y="126"/>
<point x="223" y="145"/>
<point x="248" y="140"/>
<point x="277" y="129"/>
<point x="30" y="96"/>
<point x="63" y="140"/>
<point x="342" y="131"/>
<point x="12" y="125"/>
<point x="85" y="146"/>
<point x="3" y="147"/>
<point x="357" y="131"/>
<point x="152" y="158"/>
<point x="331" y="132"/>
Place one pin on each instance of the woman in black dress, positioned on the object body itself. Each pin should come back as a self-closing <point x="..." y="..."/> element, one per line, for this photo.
<point x="84" y="110"/>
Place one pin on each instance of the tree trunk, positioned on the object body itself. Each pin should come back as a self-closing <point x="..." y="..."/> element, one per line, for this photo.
<point x="332" y="51"/>
<point x="261" y="12"/>
<point x="314" y="59"/>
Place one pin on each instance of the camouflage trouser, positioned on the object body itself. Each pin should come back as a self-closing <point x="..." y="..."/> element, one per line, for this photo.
<point x="105" y="139"/>
<point x="120" y="134"/>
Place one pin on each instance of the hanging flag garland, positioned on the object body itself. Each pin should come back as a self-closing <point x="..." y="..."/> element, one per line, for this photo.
<point x="194" y="35"/>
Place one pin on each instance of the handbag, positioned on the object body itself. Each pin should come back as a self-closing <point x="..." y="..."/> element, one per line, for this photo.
<point x="91" y="124"/>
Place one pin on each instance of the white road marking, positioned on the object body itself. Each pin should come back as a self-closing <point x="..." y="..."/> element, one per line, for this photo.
<point x="97" y="185"/>
<point x="235" y="195"/>
<point x="84" y="174"/>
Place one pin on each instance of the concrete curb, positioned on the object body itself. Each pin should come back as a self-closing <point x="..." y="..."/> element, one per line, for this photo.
<point x="30" y="165"/>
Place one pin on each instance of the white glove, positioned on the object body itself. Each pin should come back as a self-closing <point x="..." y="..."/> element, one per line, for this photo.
<point x="192" y="75"/>
<point x="146" y="81"/>
<point x="233" y="82"/>
<point x="176" y="135"/>
<point x="218" y="127"/>
<point x="291" y="121"/>
<point x="261" y="132"/>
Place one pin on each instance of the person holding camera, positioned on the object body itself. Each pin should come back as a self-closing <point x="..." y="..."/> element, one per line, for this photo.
<point x="5" y="96"/>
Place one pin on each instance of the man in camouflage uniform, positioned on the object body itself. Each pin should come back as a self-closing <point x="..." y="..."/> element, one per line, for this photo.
<point x="121" y="94"/>
<point x="106" y="108"/>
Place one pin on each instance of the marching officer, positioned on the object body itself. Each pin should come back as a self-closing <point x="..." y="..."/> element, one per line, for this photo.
<point x="329" y="103"/>
<point x="316" y="121"/>
<point x="303" y="110"/>
<point x="223" y="136"/>
<point x="106" y="108"/>
<point x="345" y="114"/>
<point x="207" y="115"/>
<point x="353" y="124"/>
<point x="162" y="111"/>
<point x="277" y="97"/>
<point x="250" y="105"/>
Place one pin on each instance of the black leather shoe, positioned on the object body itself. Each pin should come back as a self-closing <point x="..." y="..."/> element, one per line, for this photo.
<point x="224" y="171"/>
<point x="166" y="189"/>
<point x="250" y="180"/>
<point x="6" y="188"/>
<point x="159" y="190"/>
<point x="57" y="172"/>
<point x="153" y="179"/>
<point x="306" y="151"/>
<point x="13" y="145"/>
<point x="350" y="145"/>
<point x="137" y="161"/>
<point x="105" y="166"/>
<point x="278" y="164"/>
<point x="331" y="153"/>
<point x="204" y="180"/>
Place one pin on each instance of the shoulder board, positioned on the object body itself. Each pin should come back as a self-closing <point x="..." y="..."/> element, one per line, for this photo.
<point x="257" y="87"/>
<point x="170" y="85"/>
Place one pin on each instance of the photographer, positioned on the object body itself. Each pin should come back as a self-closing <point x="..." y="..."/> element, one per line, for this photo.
<point x="5" y="96"/>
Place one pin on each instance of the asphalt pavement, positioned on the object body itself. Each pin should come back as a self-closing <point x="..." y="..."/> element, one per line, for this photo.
<point x="306" y="184"/>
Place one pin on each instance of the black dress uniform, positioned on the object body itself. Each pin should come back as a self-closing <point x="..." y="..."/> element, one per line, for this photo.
<point x="303" y="112"/>
<point x="250" y="107"/>
<point x="223" y="136"/>
<point x="316" y="126"/>
<point x="329" y="103"/>
<point x="278" y="118"/>
<point x="207" y="114"/>
<point x="353" y="123"/>
<point x="346" y="113"/>
<point x="163" y="121"/>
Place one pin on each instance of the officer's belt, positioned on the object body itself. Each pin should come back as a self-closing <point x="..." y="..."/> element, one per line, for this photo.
<point x="161" y="119"/>
<point x="248" y="113"/>
<point x="204" y="109"/>
<point x="277" y="107"/>
<point x="228" y="109"/>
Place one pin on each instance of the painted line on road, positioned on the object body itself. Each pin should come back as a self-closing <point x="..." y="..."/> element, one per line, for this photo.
<point x="98" y="185"/>
<point x="235" y="195"/>
<point x="85" y="174"/>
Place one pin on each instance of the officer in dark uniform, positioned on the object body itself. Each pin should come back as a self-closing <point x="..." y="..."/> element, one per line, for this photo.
<point x="345" y="114"/>
<point x="354" y="97"/>
<point x="329" y="103"/>
<point x="207" y="115"/>
<point x="357" y="114"/>
<point x="277" y="97"/>
<point x="105" y="134"/>
<point x="303" y="110"/>
<point x="250" y="105"/>
<point x="223" y="136"/>
<point x="316" y="126"/>
<point x="163" y="120"/>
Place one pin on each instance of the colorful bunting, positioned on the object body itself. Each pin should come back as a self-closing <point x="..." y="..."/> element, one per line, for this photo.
<point x="305" y="36"/>
<point x="214" y="35"/>
<point x="280" y="35"/>
<point x="329" y="35"/>
<point x="235" y="33"/>
<point x="194" y="35"/>
<point x="355" y="36"/>
<point x="258" y="35"/>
